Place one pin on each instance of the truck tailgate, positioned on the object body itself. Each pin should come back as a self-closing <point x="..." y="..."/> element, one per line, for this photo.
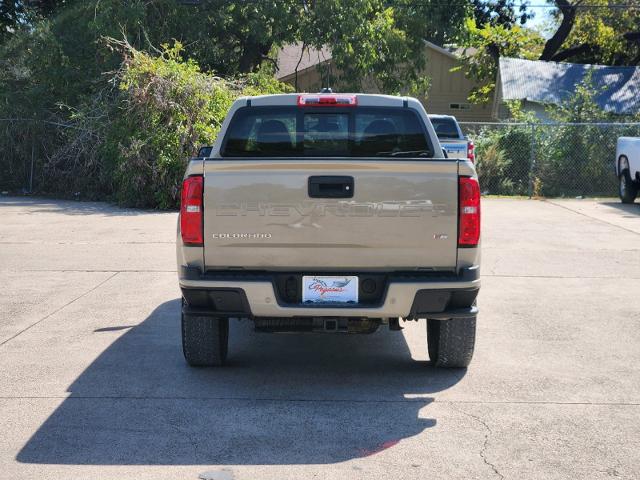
<point x="455" y="148"/>
<point x="258" y="214"/>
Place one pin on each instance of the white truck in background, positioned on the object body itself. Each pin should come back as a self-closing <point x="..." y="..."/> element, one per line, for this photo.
<point x="628" y="168"/>
<point x="451" y="138"/>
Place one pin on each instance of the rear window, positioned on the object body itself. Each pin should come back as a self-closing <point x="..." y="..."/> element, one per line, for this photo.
<point x="326" y="132"/>
<point x="445" y="128"/>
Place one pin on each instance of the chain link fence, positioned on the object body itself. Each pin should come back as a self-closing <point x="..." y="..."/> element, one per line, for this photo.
<point x="25" y="152"/>
<point x="530" y="159"/>
<point x="548" y="160"/>
<point x="47" y="157"/>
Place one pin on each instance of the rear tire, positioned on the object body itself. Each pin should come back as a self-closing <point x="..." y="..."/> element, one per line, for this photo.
<point x="627" y="188"/>
<point x="451" y="342"/>
<point x="205" y="340"/>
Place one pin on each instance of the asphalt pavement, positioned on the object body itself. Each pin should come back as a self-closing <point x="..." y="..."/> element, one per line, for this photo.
<point x="93" y="384"/>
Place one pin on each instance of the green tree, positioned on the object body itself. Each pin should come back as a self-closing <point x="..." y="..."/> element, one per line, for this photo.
<point x="599" y="33"/>
<point x="57" y="66"/>
<point x="486" y="44"/>
<point x="12" y="15"/>
<point x="500" y="12"/>
<point x="17" y="14"/>
<point x="64" y="54"/>
<point x="609" y="36"/>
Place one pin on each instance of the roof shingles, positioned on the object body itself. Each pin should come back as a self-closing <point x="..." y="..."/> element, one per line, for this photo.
<point x="554" y="83"/>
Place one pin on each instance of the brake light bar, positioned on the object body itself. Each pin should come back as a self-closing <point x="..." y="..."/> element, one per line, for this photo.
<point x="191" y="221"/>
<point x="469" y="217"/>
<point x="327" y="101"/>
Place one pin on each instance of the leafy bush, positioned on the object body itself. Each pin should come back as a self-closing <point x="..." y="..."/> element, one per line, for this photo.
<point x="503" y="159"/>
<point x="167" y="108"/>
<point x="130" y="142"/>
<point x="572" y="157"/>
<point x="491" y="166"/>
<point x="576" y="157"/>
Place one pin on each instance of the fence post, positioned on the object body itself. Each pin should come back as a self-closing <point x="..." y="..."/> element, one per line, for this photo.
<point x="33" y="154"/>
<point x="532" y="158"/>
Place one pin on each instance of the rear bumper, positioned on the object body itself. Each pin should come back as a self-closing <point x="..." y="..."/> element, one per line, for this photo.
<point x="256" y="295"/>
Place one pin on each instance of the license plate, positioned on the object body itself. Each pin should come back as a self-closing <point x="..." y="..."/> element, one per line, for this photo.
<point x="329" y="289"/>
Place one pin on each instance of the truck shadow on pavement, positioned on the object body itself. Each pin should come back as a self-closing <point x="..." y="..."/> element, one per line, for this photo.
<point x="631" y="209"/>
<point x="283" y="399"/>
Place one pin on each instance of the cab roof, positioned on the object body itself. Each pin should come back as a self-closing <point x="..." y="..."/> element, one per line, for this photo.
<point x="291" y="99"/>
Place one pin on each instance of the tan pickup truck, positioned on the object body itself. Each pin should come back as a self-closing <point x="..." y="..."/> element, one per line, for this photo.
<point x="329" y="213"/>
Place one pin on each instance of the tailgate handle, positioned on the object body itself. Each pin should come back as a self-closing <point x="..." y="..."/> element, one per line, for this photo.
<point x="330" y="186"/>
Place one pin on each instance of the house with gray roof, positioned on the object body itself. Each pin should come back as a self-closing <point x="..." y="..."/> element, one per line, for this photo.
<point x="538" y="84"/>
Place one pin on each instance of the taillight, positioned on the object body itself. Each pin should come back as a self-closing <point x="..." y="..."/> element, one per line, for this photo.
<point x="469" y="227"/>
<point x="327" y="101"/>
<point x="471" y="151"/>
<point x="191" y="210"/>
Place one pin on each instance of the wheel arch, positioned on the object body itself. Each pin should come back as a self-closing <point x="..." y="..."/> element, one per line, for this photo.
<point x="622" y="160"/>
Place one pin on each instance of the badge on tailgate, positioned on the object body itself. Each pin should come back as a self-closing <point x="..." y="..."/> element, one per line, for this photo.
<point x="329" y="289"/>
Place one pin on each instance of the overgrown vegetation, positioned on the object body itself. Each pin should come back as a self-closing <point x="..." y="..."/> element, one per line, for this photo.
<point x="572" y="157"/>
<point x="485" y="44"/>
<point x="130" y="141"/>
<point x="594" y="33"/>
<point x="105" y="119"/>
<point x="118" y="120"/>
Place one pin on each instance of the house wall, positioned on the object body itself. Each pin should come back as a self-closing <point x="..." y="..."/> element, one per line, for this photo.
<point x="538" y="109"/>
<point x="447" y="88"/>
<point x="309" y="80"/>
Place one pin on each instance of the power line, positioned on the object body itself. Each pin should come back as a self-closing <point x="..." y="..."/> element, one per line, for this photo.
<point x="515" y="6"/>
<point x="444" y="3"/>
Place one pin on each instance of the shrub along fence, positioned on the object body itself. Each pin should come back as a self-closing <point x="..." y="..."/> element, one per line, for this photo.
<point x="548" y="159"/>
<point x="129" y="140"/>
<point x="21" y="145"/>
<point x="35" y="157"/>
<point x="530" y="159"/>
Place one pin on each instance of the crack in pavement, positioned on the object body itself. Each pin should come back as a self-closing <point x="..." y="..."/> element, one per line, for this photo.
<point x="57" y="310"/>
<point x="485" y="444"/>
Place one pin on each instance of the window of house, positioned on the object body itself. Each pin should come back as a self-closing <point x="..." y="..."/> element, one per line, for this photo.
<point x="460" y="106"/>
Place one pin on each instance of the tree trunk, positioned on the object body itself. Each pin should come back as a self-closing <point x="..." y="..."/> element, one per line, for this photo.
<point x="585" y="48"/>
<point x="568" y="18"/>
<point x="252" y="55"/>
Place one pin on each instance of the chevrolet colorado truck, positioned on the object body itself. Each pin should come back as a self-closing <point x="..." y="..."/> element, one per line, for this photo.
<point x="329" y="213"/>
<point x="628" y="168"/>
